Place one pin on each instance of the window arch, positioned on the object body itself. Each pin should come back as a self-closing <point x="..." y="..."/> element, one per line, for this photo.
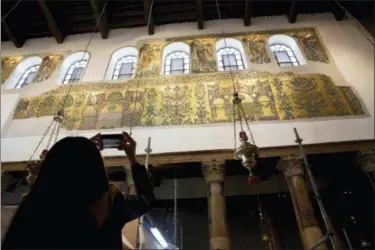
<point x="75" y="72"/>
<point x="73" y="67"/>
<point x="230" y="55"/>
<point x="176" y="59"/>
<point x="229" y="58"/>
<point x="27" y="77"/>
<point x="125" y="68"/>
<point x="284" y="55"/>
<point x="24" y="73"/>
<point x="122" y="64"/>
<point x="177" y="63"/>
<point x="286" y="51"/>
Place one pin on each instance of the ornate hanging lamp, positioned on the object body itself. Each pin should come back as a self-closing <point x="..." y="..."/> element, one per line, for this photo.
<point x="247" y="153"/>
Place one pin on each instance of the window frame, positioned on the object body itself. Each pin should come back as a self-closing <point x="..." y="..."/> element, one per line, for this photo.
<point x="75" y="65"/>
<point x="289" y="53"/>
<point x="120" y="62"/>
<point x="22" y="81"/>
<point x="220" y="59"/>
<point x="186" y="62"/>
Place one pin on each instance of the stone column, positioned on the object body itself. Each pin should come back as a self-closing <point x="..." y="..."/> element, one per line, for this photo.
<point x="213" y="172"/>
<point x="292" y="168"/>
<point x="366" y="161"/>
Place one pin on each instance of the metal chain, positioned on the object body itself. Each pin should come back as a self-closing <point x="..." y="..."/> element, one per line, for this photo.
<point x="247" y="124"/>
<point x="63" y="101"/>
<point x="137" y="88"/>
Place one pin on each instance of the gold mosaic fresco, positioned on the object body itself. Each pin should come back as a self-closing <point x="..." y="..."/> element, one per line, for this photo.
<point x="47" y="67"/>
<point x="194" y="99"/>
<point x="8" y="64"/>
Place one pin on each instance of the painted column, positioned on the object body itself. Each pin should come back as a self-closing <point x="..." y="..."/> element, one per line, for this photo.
<point x="213" y="172"/>
<point x="366" y="161"/>
<point x="292" y="168"/>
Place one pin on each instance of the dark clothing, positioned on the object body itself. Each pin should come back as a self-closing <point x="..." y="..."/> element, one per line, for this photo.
<point x="83" y="234"/>
<point x="125" y="209"/>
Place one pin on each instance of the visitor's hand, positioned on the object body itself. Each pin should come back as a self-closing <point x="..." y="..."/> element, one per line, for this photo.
<point x="97" y="140"/>
<point x="129" y="146"/>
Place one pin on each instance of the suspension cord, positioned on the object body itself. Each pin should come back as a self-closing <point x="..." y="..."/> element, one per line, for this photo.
<point x="64" y="100"/>
<point x="240" y="110"/>
<point x="11" y="10"/>
<point x="137" y="88"/>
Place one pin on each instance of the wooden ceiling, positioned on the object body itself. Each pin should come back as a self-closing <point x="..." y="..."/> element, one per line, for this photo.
<point x="60" y="18"/>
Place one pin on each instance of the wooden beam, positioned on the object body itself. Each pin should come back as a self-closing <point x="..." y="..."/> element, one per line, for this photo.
<point x="149" y="9"/>
<point x="292" y="17"/>
<point x="247" y="13"/>
<point x="221" y="155"/>
<point x="200" y="14"/>
<point x="52" y="25"/>
<point x="97" y="9"/>
<point x="17" y="40"/>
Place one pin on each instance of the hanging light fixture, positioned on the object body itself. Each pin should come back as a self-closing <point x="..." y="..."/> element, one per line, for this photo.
<point x="247" y="153"/>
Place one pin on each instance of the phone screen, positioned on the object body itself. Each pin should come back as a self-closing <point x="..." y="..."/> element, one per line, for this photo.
<point x="111" y="141"/>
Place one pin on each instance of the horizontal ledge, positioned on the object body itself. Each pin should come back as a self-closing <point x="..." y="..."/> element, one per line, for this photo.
<point x="221" y="155"/>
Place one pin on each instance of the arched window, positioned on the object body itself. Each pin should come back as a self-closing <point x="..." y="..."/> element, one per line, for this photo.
<point x="75" y="72"/>
<point x="230" y="55"/>
<point x="122" y="64"/>
<point x="177" y="63"/>
<point x="176" y="59"/>
<point x="284" y="55"/>
<point x="125" y="68"/>
<point x="73" y="67"/>
<point x="27" y="77"/>
<point x="286" y="51"/>
<point x="24" y="73"/>
<point x="229" y="59"/>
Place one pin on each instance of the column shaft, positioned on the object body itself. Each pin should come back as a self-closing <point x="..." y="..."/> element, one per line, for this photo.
<point x="218" y="228"/>
<point x="307" y="224"/>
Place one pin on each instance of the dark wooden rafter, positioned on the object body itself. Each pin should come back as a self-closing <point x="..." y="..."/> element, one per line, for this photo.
<point x="17" y="40"/>
<point x="15" y="24"/>
<point x="247" y="13"/>
<point x="200" y="14"/>
<point x="97" y="8"/>
<point x="148" y="8"/>
<point x="292" y="16"/>
<point x="52" y="25"/>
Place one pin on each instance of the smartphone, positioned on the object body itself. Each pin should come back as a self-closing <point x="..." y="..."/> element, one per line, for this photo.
<point x="111" y="141"/>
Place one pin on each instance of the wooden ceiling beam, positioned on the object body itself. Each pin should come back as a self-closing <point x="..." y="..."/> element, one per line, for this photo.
<point x="149" y="13"/>
<point x="97" y="9"/>
<point x="292" y="16"/>
<point x="15" y="25"/>
<point x="52" y="25"/>
<point x="247" y="13"/>
<point x="18" y="41"/>
<point x="200" y="14"/>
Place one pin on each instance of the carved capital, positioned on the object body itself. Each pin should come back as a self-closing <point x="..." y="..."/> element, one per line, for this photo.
<point x="290" y="166"/>
<point x="213" y="171"/>
<point x="366" y="160"/>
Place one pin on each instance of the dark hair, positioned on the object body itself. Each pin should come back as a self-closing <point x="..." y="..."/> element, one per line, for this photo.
<point x="71" y="178"/>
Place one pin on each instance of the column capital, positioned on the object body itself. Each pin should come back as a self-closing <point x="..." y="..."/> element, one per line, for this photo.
<point x="213" y="170"/>
<point x="290" y="165"/>
<point x="366" y="160"/>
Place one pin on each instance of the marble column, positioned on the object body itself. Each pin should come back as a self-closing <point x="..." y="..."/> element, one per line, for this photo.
<point x="292" y="168"/>
<point x="213" y="172"/>
<point x="366" y="161"/>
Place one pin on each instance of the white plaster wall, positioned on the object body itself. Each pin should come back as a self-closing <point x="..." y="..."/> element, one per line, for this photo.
<point x="349" y="51"/>
<point x="8" y="103"/>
